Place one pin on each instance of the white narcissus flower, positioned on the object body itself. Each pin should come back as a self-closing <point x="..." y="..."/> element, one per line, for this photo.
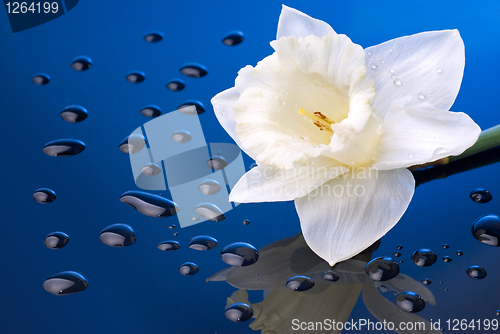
<point x="334" y="127"/>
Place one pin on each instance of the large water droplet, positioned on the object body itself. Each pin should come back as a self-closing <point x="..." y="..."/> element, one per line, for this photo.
<point x="476" y="272"/>
<point x="65" y="283"/>
<point x="153" y="37"/>
<point x="136" y="77"/>
<point x="203" y="243"/>
<point x="424" y="257"/>
<point x="81" y="63"/>
<point x="151" y="169"/>
<point x="330" y="276"/>
<point x="151" y="111"/>
<point x="194" y="70"/>
<point x="209" y="187"/>
<point x="382" y="268"/>
<point x="210" y="211"/>
<point x="63" y="147"/>
<point x="41" y="79"/>
<point x="481" y="195"/>
<point x="169" y="245"/>
<point x="118" y="235"/>
<point x="56" y="240"/>
<point x="44" y="195"/>
<point x="181" y="137"/>
<point x="217" y="163"/>
<point x="410" y="302"/>
<point x="299" y="283"/>
<point x="198" y="107"/>
<point x="240" y="254"/>
<point x="188" y="269"/>
<point x="239" y="312"/>
<point x="176" y="85"/>
<point x="233" y="38"/>
<point x="132" y="144"/>
<point x="74" y="114"/>
<point x="487" y="230"/>
<point x="149" y="204"/>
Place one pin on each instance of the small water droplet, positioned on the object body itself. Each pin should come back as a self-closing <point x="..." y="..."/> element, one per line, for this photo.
<point x="203" y="243"/>
<point x="397" y="82"/>
<point x="181" y="137"/>
<point x="176" y="85"/>
<point x="132" y="144"/>
<point x="233" y="38"/>
<point x="447" y="259"/>
<point x="65" y="283"/>
<point x="74" y="114"/>
<point x="487" y="230"/>
<point x="239" y="312"/>
<point x="476" y="272"/>
<point x="154" y="37"/>
<point x="195" y="219"/>
<point x="299" y="283"/>
<point x="424" y="257"/>
<point x="56" y="240"/>
<point x="169" y="245"/>
<point x="136" y="77"/>
<point x="188" y="269"/>
<point x="41" y="79"/>
<point x="460" y="253"/>
<point x="217" y="163"/>
<point x="373" y="66"/>
<point x="439" y="70"/>
<point x="151" y="111"/>
<point x="81" y="63"/>
<point x="498" y="312"/>
<point x="151" y="169"/>
<point x="210" y="211"/>
<point x="245" y="222"/>
<point x="397" y="254"/>
<point x="421" y="96"/>
<point x="382" y="269"/>
<point x="44" y="195"/>
<point x="410" y="302"/>
<point x="63" y="148"/>
<point x="410" y="155"/>
<point x="172" y="226"/>
<point x="391" y="71"/>
<point x="426" y="281"/>
<point x="439" y="151"/>
<point x="118" y="235"/>
<point x="446" y="246"/>
<point x="191" y="107"/>
<point x="399" y="247"/>
<point x="239" y="254"/>
<point x="481" y="195"/>
<point x="331" y="276"/>
<point x="176" y="234"/>
<point x="149" y="204"/>
<point x="209" y="187"/>
<point x="194" y="70"/>
<point x="382" y="61"/>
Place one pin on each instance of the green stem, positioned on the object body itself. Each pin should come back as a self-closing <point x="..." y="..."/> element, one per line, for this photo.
<point x="487" y="140"/>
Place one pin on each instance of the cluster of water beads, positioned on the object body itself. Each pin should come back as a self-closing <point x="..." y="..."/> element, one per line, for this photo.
<point x="481" y="195"/>
<point x="299" y="283"/>
<point x="238" y="312"/>
<point x="203" y="243"/>
<point x="410" y="302"/>
<point x="382" y="269"/>
<point x="149" y="204"/>
<point x="151" y="111"/>
<point x="56" y="240"/>
<point x="63" y="147"/>
<point x="154" y="37"/>
<point x="44" y="195"/>
<point x="65" y="283"/>
<point x="81" y="63"/>
<point x="135" y="77"/>
<point x="74" y="114"/>
<point x="486" y="229"/>
<point x="188" y="269"/>
<point x="118" y="235"/>
<point x="239" y="254"/>
<point x="169" y="245"/>
<point x="233" y="38"/>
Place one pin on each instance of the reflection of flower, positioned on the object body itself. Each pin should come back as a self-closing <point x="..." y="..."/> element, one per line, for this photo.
<point x="326" y="300"/>
<point x="320" y="114"/>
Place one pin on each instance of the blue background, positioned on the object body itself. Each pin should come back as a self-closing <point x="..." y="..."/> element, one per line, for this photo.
<point x="138" y="289"/>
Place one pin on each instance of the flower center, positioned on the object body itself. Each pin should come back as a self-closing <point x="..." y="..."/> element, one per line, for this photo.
<point x="321" y="121"/>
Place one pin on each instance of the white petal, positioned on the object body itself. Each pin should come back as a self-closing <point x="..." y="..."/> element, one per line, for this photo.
<point x="347" y="214"/>
<point x="426" y="67"/>
<point x="271" y="184"/>
<point x="295" y="23"/>
<point x="223" y="108"/>
<point x="423" y="133"/>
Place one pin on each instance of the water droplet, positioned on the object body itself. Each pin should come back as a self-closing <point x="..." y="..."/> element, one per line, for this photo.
<point x="382" y="61"/>
<point x="188" y="269"/>
<point x="194" y="70"/>
<point x="203" y="243"/>
<point x="169" y="245"/>
<point x="393" y="76"/>
<point x="239" y="254"/>
<point x="424" y="257"/>
<point x="410" y="156"/>
<point x="498" y="312"/>
<point x="132" y="144"/>
<point x="172" y="226"/>
<point x="399" y="247"/>
<point x="209" y="187"/>
<point x="44" y="195"/>
<point x="299" y="283"/>
<point x="181" y="137"/>
<point x="397" y="82"/>
<point x="41" y="79"/>
<point x="210" y="211"/>
<point x="74" y="114"/>
<point x="382" y="269"/>
<point x="373" y="66"/>
<point x="239" y="312"/>
<point x="330" y="276"/>
<point x="410" y="302"/>
<point x="446" y="246"/>
<point x="63" y="147"/>
<point x="439" y="70"/>
<point x="154" y="37"/>
<point x="136" y="77"/>
<point x="421" y="96"/>
<point x="195" y="219"/>
<point x="233" y="38"/>
<point x="56" y="240"/>
<point x="397" y="254"/>
<point x="176" y="234"/>
<point x="151" y="111"/>
<point x="149" y="204"/>
<point x="447" y="259"/>
<point x="217" y="163"/>
<point x="391" y="71"/>
<point x="460" y="253"/>
<point x="151" y="169"/>
<point x="476" y="272"/>
<point x="81" y="63"/>
<point x="481" y="195"/>
<point x="118" y="235"/>
<point x="176" y="85"/>
<point x="426" y="281"/>
<point x="487" y="230"/>
<point x="191" y="107"/>
<point x="245" y="222"/>
<point x="65" y="283"/>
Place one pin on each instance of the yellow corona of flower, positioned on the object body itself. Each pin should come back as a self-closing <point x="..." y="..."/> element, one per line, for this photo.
<point x="334" y="127"/>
